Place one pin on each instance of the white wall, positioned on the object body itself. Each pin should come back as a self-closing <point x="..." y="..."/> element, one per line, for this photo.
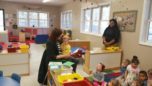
<point x="130" y="40"/>
<point x="12" y="8"/>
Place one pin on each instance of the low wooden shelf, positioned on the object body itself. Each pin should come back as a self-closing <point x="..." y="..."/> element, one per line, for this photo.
<point x="15" y="63"/>
<point x="112" y="60"/>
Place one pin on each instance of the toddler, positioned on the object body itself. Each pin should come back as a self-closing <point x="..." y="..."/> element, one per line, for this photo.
<point x="132" y="71"/>
<point x="149" y="77"/>
<point x="124" y="65"/>
<point x="123" y="68"/>
<point x="98" y="75"/>
<point x="135" y="83"/>
<point x="143" y="78"/>
<point x="114" y="82"/>
<point x="65" y="46"/>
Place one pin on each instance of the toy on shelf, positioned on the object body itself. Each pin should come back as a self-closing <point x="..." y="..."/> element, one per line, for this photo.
<point x="11" y="49"/>
<point x="112" y="49"/>
<point x="12" y="37"/>
<point x="24" y="48"/>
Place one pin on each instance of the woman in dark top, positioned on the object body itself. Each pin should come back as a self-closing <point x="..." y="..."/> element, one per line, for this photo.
<point x="51" y="53"/>
<point x="111" y="35"/>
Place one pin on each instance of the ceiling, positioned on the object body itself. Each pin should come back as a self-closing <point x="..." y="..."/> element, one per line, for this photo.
<point x="51" y="2"/>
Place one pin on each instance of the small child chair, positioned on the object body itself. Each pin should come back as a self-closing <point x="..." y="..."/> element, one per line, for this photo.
<point x="1" y="73"/>
<point x="16" y="77"/>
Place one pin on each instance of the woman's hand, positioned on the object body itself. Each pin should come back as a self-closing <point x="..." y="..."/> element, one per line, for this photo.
<point x="63" y="56"/>
<point x="108" y="43"/>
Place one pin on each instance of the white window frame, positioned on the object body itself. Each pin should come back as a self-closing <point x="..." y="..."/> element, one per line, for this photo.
<point x="145" y="24"/>
<point x="61" y="18"/>
<point x="82" y="18"/>
<point x="28" y="19"/>
<point x="2" y="28"/>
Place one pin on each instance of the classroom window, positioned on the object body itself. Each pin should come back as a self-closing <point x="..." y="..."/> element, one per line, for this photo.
<point x="146" y="28"/>
<point x="66" y="20"/>
<point x="2" y="23"/>
<point x="87" y="20"/>
<point x="33" y="19"/>
<point x="95" y="19"/>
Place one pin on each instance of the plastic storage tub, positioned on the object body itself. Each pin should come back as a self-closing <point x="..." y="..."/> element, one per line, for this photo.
<point x="69" y="78"/>
<point x="24" y="48"/>
<point x="79" y="83"/>
<point x="11" y="50"/>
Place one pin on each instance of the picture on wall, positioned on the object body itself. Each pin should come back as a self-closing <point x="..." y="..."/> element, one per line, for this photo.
<point x="126" y="20"/>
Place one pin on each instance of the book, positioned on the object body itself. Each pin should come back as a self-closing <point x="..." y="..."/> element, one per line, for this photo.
<point x="68" y="64"/>
<point x="55" y="65"/>
<point x="77" y="52"/>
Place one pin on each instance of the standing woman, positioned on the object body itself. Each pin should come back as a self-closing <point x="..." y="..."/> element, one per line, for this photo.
<point x="111" y="35"/>
<point x="52" y="52"/>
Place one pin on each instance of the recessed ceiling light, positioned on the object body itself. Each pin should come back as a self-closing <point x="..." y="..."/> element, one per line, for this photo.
<point x="45" y="1"/>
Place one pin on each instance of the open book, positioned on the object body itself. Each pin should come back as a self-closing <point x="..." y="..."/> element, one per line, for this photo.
<point x="77" y="52"/>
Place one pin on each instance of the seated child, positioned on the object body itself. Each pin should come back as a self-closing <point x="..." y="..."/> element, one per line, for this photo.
<point x="143" y="78"/>
<point x="135" y="83"/>
<point x="98" y="75"/>
<point x="123" y="68"/>
<point x="149" y="77"/>
<point x="124" y="65"/>
<point x="66" y="48"/>
<point x="114" y="82"/>
<point x="132" y="71"/>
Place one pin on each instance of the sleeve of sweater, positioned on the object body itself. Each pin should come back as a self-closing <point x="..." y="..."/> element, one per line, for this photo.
<point x="51" y="50"/>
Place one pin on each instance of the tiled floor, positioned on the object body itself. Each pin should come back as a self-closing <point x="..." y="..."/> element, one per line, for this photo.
<point x="36" y="55"/>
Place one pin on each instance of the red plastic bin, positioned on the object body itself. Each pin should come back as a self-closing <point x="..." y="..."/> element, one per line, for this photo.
<point x="79" y="83"/>
<point x="11" y="50"/>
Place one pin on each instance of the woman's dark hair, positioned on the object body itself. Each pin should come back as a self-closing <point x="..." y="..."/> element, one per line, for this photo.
<point x="145" y="74"/>
<point x="55" y="33"/>
<point x="135" y="60"/>
<point x="115" y="23"/>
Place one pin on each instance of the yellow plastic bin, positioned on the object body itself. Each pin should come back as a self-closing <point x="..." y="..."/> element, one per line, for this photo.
<point x="69" y="78"/>
<point x="24" y="48"/>
<point x="112" y="49"/>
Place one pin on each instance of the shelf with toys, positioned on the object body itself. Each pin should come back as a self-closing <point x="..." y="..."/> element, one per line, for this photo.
<point x="15" y="59"/>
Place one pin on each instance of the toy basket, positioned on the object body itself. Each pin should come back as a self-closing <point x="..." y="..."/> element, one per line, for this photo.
<point x="11" y="50"/>
<point x="69" y="78"/>
<point x="78" y="83"/>
<point x="24" y="48"/>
